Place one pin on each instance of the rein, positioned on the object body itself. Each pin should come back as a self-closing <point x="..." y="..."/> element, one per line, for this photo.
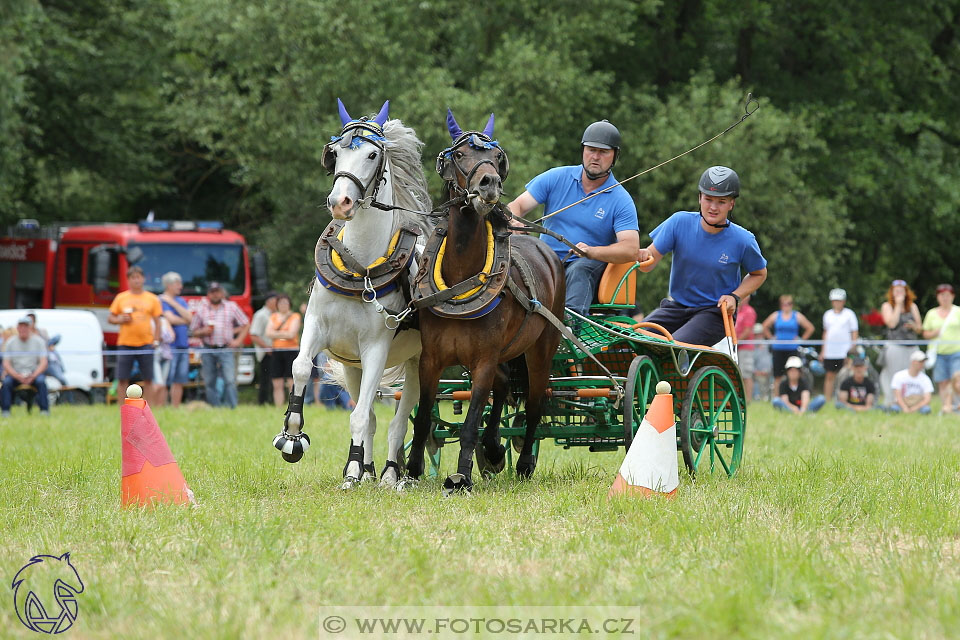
<point x="747" y="113"/>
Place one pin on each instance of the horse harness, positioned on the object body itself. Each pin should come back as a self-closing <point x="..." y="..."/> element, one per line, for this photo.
<point x="354" y="134"/>
<point x="339" y="271"/>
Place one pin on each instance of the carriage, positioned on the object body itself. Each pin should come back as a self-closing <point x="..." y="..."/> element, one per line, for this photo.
<point x="584" y="407"/>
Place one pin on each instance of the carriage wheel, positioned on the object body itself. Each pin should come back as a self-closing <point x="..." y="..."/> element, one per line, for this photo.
<point x="642" y="379"/>
<point x="711" y="422"/>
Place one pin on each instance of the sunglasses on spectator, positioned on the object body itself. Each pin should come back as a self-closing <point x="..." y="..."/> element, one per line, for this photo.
<point x="898" y="283"/>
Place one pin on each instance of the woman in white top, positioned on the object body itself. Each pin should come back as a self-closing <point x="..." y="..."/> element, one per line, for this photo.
<point x="840" y="331"/>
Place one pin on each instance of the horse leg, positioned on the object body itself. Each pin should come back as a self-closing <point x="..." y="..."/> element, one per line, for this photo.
<point x="292" y="441"/>
<point x="491" y="455"/>
<point x="482" y="376"/>
<point x="538" y="360"/>
<point x="373" y="360"/>
<point x="397" y="430"/>
<point x="429" y="380"/>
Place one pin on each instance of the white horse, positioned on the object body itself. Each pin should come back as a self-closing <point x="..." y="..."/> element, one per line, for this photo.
<point x="374" y="161"/>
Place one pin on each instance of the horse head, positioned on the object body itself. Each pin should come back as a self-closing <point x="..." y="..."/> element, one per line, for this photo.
<point x="474" y="164"/>
<point x="357" y="160"/>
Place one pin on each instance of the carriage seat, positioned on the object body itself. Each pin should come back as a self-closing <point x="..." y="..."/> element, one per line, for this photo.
<point x="618" y="286"/>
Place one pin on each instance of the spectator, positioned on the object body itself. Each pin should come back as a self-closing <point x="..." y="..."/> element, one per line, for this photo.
<point x="262" y="347"/>
<point x="55" y="368"/>
<point x="35" y="329"/>
<point x="857" y="393"/>
<point x="793" y="392"/>
<point x="24" y="362"/>
<point x="762" y="366"/>
<point x="943" y="323"/>
<point x="222" y="327"/>
<point x="138" y="312"/>
<point x="912" y="389"/>
<point x="840" y="331"/>
<point x="284" y="331"/>
<point x="902" y="319"/>
<point x="162" y="359"/>
<point x="784" y="326"/>
<point x="746" y="319"/>
<point x="177" y="313"/>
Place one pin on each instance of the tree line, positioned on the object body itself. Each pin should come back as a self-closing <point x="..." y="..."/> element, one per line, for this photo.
<point x="210" y="110"/>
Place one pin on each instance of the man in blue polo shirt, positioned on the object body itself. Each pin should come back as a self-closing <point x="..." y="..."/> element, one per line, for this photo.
<point x="709" y="252"/>
<point x="604" y="227"/>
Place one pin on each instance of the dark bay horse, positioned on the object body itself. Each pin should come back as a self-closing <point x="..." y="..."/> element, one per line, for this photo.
<point x="474" y="167"/>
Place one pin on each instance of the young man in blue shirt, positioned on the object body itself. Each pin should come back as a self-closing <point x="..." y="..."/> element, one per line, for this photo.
<point x="709" y="252"/>
<point x="604" y="227"/>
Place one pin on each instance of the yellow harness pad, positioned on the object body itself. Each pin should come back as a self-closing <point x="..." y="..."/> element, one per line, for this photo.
<point x="337" y="261"/>
<point x="487" y="265"/>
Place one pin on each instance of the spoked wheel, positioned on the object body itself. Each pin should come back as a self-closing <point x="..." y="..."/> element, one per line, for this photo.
<point x="642" y="378"/>
<point x="711" y="422"/>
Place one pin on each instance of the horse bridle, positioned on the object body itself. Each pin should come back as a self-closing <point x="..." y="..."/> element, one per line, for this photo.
<point x="374" y="135"/>
<point x="477" y="140"/>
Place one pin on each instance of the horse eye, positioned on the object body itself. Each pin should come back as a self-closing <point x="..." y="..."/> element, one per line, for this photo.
<point x="458" y="155"/>
<point x="373" y="155"/>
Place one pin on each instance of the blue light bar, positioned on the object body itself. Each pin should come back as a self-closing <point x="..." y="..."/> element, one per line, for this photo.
<point x="209" y="225"/>
<point x="155" y="225"/>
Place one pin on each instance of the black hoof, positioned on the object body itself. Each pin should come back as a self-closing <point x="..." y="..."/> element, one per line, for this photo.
<point x="292" y="447"/>
<point x="491" y="466"/>
<point x="526" y="465"/>
<point x="415" y="467"/>
<point x="456" y="483"/>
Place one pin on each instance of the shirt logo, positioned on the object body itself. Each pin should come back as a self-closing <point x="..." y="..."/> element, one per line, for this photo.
<point x="724" y="258"/>
<point x="600" y="213"/>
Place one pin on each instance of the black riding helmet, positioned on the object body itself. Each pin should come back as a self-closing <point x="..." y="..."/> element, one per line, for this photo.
<point x="602" y="135"/>
<point x="720" y="181"/>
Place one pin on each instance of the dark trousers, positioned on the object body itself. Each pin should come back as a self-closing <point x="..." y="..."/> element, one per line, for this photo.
<point x="9" y="384"/>
<point x="265" y="386"/>
<point x="693" y="325"/>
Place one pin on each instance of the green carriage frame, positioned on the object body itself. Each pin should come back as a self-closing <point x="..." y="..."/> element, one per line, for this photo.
<point x="585" y="409"/>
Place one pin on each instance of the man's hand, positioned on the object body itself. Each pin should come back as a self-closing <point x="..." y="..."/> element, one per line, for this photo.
<point x="236" y="342"/>
<point x="585" y="248"/>
<point x="728" y="300"/>
<point x="203" y="332"/>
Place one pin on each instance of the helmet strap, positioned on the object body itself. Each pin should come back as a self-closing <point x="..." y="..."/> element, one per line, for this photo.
<point x="596" y="176"/>
<point x="716" y="226"/>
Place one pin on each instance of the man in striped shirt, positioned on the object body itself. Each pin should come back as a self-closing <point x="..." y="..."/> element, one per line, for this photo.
<point x="222" y="327"/>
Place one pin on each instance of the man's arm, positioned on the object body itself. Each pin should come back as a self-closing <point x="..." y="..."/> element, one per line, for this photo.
<point x="901" y="402"/>
<point x="645" y="254"/>
<point x="521" y="206"/>
<point x="180" y="314"/>
<point x="8" y="370"/>
<point x="625" y="249"/>
<point x="41" y="367"/>
<point x="842" y="396"/>
<point x="868" y="403"/>
<point x="804" y="401"/>
<point x="927" y="397"/>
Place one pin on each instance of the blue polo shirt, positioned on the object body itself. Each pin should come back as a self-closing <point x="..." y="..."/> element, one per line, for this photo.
<point x="705" y="265"/>
<point x="595" y="222"/>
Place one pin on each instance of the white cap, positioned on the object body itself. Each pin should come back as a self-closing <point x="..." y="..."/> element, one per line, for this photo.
<point x="838" y="294"/>
<point x="793" y="362"/>
<point x="918" y="355"/>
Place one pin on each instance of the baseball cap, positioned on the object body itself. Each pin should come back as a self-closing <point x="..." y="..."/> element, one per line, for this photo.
<point x="918" y="355"/>
<point x="838" y="294"/>
<point x="25" y="320"/>
<point x="214" y="285"/>
<point x="944" y="287"/>
<point x="859" y="361"/>
<point x="793" y="362"/>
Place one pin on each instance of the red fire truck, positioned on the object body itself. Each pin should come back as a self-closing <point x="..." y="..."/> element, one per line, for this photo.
<point x="83" y="266"/>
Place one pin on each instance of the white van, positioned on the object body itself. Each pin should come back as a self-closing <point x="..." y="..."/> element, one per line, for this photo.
<point x="80" y="346"/>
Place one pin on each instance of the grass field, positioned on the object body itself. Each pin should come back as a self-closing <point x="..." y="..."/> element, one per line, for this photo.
<point x="837" y="526"/>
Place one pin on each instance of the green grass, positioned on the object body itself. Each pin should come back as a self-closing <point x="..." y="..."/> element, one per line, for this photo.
<point x="836" y="526"/>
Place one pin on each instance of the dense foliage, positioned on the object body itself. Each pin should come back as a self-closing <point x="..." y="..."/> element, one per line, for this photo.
<point x="205" y="109"/>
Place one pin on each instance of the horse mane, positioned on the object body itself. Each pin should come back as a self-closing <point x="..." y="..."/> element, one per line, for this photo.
<point x="409" y="182"/>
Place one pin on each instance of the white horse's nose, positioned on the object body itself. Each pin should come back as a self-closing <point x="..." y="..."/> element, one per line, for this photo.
<point x="340" y="207"/>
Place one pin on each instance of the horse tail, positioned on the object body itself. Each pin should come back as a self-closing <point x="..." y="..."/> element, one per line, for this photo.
<point x="337" y="371"/>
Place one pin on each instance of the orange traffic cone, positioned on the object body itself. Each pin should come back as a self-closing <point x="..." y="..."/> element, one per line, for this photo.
<point x="150" y="474"/>
<point x="650" y="467"/>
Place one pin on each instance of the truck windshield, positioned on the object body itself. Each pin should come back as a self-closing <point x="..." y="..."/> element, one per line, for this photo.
<point x="198" y="265"/>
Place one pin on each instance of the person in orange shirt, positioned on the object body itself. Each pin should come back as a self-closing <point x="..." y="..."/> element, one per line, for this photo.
<point x="284" y="330"/>
<point x="137" y="313"/>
